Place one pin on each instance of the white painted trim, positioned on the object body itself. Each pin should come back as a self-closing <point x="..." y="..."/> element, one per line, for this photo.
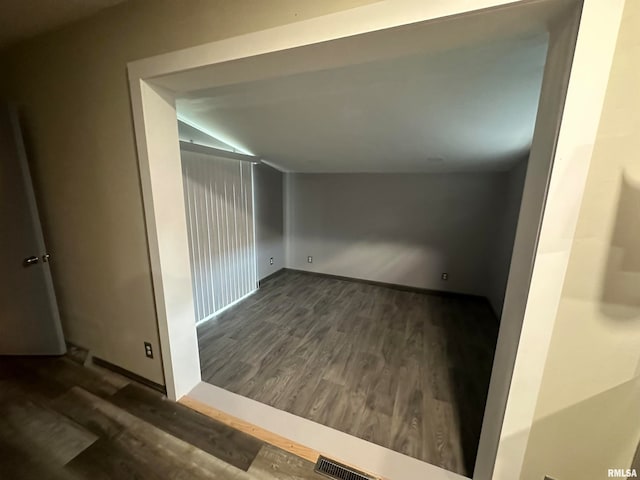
<point x="332" y="443"/>
<point x="163" y="200"/>
<point x="593" y="57"/>
<point x="368" y="18"/>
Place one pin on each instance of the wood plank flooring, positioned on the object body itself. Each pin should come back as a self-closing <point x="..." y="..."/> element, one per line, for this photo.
<point x="63" y="421"/>
<point x="409" y="371"/>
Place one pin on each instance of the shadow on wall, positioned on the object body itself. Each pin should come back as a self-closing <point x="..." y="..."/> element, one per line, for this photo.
<point x="613" y="421"/>
<point x="624" y="261"/>
<point x="600" y="432"/>
<point x="620" y="284"/>
<point x="470" y="361"/>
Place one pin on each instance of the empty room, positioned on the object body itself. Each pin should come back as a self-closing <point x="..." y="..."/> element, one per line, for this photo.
<point x="350" y="236"/>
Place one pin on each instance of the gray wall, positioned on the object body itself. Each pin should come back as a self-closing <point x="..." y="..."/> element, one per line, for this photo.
<point x="399" y="228"/>
<point x="268" y="194"/>
<point x="505" y="236"/>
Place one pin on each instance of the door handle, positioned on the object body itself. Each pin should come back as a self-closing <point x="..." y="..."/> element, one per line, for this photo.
<point x="30" y="261"/>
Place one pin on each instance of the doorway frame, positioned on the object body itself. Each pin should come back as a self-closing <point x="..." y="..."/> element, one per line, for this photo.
<point x="511" y="405"/>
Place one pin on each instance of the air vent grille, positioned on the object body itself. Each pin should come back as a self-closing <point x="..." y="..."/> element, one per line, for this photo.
<point x="333" y="469"/>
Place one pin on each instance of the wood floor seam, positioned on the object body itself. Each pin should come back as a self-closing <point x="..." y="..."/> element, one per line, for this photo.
<point x="64" y="421"/>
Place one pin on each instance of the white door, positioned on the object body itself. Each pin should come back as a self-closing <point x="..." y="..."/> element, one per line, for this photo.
<point x="29" y="318"/>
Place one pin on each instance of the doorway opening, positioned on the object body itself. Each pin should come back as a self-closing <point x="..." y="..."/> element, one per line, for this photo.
<point x="244" y="83"/>
<point x="382" y="247"/>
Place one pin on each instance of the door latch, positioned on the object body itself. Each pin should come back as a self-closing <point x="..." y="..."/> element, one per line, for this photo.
<point x="30" y="261"/>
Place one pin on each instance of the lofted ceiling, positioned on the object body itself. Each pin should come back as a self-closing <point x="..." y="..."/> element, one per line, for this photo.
<point x="22" y="19"/>
<point x="470" y="108"/>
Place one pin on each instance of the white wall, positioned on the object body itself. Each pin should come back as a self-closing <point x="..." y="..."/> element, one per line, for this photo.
<point x="405" y="229"/>
<point x="269" y="214"/>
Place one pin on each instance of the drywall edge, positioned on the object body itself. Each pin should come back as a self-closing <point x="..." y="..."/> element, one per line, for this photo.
<point x="592" y="58"/>
<point x="161" y="179"/>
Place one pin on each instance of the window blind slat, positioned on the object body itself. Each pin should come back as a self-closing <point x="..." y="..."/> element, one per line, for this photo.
<point x="219" y="212"/>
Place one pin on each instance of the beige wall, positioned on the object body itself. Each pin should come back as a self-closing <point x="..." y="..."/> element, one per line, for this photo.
<point x="71" y="87"/>
<point x="587" y="417"/>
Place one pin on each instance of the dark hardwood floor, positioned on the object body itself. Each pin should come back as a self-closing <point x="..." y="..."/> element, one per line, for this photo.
<point x="409" y="371"/>
<point x="62" y="421"/>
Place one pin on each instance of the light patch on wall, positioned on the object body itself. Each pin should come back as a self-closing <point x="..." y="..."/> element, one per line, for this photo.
<point x="232" y="146"/>
<point x="274" y="165"/>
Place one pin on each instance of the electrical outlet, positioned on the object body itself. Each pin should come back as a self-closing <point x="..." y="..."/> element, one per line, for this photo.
<point x="148" y="350"/>
<point x="271" y="261"/>
<point x="444" y="276"/>
<point x="309" y="259"/>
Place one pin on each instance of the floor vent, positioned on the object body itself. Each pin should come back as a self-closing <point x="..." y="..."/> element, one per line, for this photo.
<point x="333" y="469"/>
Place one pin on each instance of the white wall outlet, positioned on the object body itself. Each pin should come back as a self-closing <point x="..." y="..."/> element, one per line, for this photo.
<point x="309" y="259"/>
<point x="271" y="261"/>
<point x="444" y="276"/>
<point x="148" y="350"/>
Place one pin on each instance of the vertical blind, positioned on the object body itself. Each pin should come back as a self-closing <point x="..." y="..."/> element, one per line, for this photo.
<point x="218" y="196"/>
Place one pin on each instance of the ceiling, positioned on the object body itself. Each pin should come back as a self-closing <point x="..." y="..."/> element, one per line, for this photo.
<point x="21" y="19"/>
<point x="469" y="108"/>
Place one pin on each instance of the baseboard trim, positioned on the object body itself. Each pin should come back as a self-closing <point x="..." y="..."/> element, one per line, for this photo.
<point x="251" y="429"/>
<point x="126" y="373"/>
<point x="271" y="276"/>
<point x="308" y="439"/>
<point x="395" y="286"/>
<point x="78" y="354"/>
